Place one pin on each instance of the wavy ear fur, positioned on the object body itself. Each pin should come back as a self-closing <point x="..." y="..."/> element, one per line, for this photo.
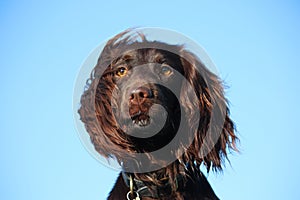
<point x="211" y="143"/>
<point x="96" y="102"/>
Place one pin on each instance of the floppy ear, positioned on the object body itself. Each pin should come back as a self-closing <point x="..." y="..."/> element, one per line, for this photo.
<point x="215" y="131"/>
<point x="96" y="103"/>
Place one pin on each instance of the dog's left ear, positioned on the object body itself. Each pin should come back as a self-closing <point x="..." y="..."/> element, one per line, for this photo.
<point x="215" y="131"/>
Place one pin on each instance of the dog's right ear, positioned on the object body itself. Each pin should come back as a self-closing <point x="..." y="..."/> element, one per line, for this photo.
<point x="96" y="101"/>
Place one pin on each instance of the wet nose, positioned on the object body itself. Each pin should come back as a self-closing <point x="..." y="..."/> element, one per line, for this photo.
<point x="140" y="94"/>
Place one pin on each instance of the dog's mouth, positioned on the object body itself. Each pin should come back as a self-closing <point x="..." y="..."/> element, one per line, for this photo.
<point x="141" y="119"/>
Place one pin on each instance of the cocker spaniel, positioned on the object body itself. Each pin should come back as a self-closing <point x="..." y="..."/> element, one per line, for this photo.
<point x="138" y="96"/>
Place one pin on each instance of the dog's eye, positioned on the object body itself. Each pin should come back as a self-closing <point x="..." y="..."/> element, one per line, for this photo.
<point x="121" y="71"/>
<point x="166" y="70"/>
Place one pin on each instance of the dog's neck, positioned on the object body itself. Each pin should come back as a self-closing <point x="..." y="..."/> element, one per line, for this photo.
<point x="146" y="189"/>
<point x="165" y="188"/>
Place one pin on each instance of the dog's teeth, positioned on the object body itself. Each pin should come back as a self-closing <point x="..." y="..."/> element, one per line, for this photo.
<point x="143" y="122"/>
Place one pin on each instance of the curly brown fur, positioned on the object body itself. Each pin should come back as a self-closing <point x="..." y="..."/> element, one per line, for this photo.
<point x="98" y="108"/>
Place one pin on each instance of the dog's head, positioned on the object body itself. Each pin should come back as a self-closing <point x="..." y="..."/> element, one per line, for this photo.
<point x="140" y="92"/>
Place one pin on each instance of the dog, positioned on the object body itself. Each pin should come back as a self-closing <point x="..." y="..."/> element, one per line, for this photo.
<point x="119" y="108"/>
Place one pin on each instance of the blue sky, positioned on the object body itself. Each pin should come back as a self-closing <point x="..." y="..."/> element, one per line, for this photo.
<point x="255" y="46"/>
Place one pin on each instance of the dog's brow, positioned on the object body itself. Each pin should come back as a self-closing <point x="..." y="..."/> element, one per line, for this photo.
<point x="159" y="58"/>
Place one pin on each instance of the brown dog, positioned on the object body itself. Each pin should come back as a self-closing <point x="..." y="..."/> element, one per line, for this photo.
<point x="117" y="101"/>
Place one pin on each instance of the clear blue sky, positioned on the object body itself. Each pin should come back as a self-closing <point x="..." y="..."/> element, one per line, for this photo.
<point x="255" y="46"/>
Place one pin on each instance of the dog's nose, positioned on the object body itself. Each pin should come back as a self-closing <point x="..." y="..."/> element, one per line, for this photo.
<point x="140" y="94"/>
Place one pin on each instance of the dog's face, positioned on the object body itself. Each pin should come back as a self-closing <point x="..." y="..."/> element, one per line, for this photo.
<point x="144" y="106"/>
<point x="138" y="103"/>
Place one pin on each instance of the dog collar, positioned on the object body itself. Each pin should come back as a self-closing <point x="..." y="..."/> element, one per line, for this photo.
<point x="141" y="189"/>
